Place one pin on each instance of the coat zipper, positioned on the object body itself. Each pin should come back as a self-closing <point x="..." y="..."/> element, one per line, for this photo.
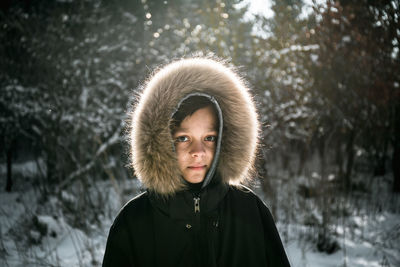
<point x="196" y="204"/>
<point x="196" y="199"/>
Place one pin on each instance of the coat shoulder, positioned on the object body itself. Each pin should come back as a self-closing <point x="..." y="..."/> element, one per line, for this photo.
<point x="252" y="207"/>
<point x="126" y="232"/>
<point x="133" y="210"/>
<point x="243" y="193"/>
<point x="136" y="202"/>
<point x="247" y="198"/>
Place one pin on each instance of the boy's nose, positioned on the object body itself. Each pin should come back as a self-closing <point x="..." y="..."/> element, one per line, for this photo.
<point x="197" y="149"/>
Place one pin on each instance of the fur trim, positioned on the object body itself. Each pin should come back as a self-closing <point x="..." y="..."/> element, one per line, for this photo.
<point x="152" y="153"/>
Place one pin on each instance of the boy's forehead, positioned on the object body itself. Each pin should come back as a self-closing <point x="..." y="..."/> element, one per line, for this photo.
<point x="185" y="129"/>
<point x="203" y="119"/>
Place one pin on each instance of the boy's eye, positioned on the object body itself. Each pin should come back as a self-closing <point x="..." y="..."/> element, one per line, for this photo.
<point x="182" y="139"/>
<point x="211" y="138"/>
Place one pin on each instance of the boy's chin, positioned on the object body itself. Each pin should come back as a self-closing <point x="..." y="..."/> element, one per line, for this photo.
<point x="194" y="179"/>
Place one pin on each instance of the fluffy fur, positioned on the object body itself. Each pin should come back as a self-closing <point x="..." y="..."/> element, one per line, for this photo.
<point x="152" y="154"/>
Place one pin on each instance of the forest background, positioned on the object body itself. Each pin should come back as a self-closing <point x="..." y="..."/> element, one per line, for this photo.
<point x="325" y="76"/>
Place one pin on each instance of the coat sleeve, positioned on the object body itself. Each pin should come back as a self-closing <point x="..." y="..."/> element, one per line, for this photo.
<point x="117" y="248"/>
<point x="274" y="248"/>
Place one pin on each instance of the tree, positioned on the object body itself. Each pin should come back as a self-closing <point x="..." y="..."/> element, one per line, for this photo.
<point x="355" y="74"/>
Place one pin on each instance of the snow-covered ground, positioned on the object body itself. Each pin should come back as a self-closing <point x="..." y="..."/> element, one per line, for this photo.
<point x="371" y="250"/>
<point x="38" y="232"/>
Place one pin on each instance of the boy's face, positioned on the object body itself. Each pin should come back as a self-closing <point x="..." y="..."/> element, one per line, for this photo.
<point x="195" y="141"/>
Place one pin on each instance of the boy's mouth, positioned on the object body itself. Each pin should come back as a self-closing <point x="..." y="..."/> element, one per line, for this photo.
<point x="197" y="167"/>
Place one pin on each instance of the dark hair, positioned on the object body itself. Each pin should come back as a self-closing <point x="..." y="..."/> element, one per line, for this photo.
<point x="188" y="107"/>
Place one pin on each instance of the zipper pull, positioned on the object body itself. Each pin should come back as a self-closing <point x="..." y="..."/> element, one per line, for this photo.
<point x="196" y="204"/>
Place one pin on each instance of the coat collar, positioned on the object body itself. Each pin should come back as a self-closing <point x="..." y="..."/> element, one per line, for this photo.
<point x="181" y="205"/>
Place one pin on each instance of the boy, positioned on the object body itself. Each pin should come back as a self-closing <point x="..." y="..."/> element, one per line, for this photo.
<point x="193" y="142"/>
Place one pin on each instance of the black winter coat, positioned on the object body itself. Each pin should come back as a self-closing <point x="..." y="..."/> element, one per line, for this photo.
<point x="231" y="227"/>
<point x="169" y="225"/>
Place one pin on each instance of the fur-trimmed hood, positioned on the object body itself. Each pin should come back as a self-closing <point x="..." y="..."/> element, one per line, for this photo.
<point x="152" y="148"/>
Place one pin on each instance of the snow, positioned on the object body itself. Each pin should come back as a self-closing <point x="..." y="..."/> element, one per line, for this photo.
<point x="130" y="17"/>
<point x="27" y="169"/>
<point x="60" y="244"/>
<point x="346" y="39"/>
<point x="358" y="254"/>
<point x="12" y="206"/>
<point x="355" y="250"/>
<point x="314" y="58"/>
<point x="36" y="233"/>
<point x="84" y="97"/>
<point x="294" y="48"/>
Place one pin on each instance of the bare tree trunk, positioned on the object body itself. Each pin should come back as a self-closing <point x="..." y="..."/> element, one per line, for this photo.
<point x="323" y="186"/>
<point x="396" y="169"/>
<point x="339" y="158"/>
<point x="266" y="184"/>
<point x="9" y="167"/>
<point x="381" y="155"/>
<point x="303" y="153"/>
<point x="396" y="152"/>
<point x="350" y="160"/>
